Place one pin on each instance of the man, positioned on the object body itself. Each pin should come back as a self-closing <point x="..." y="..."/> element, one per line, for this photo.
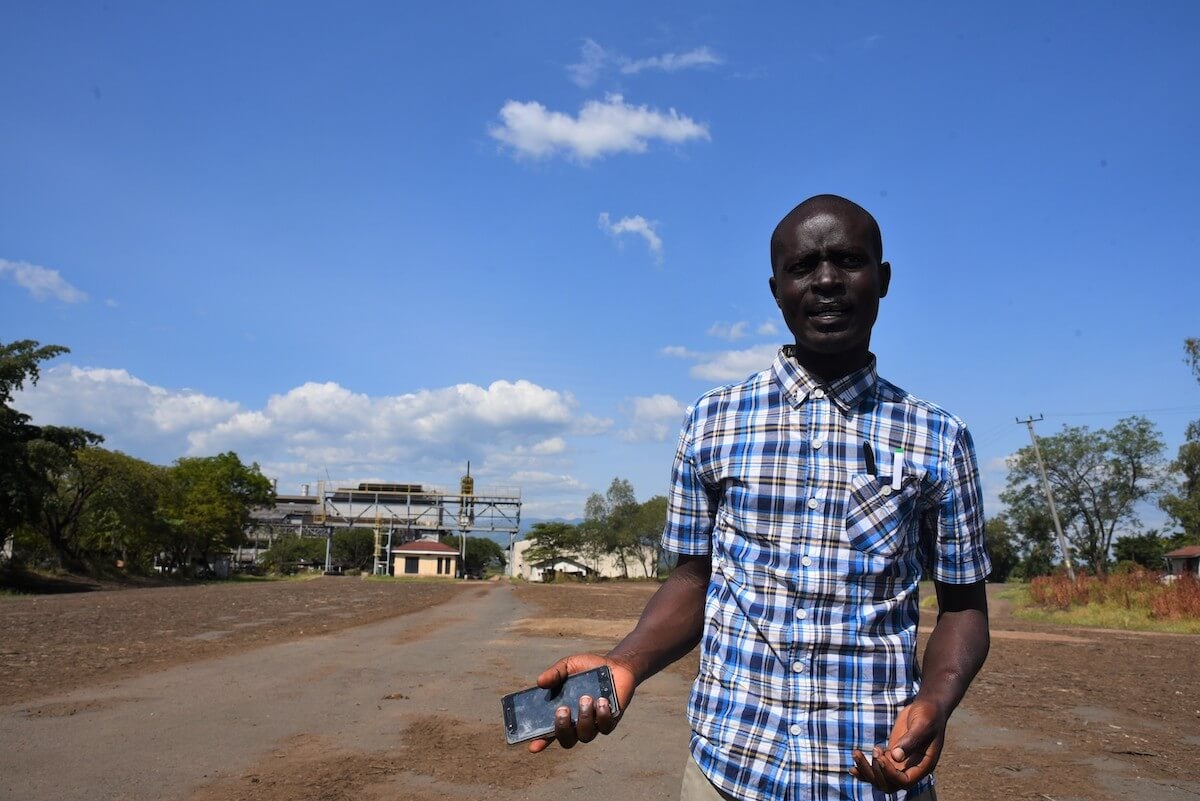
<point x="805" y="503"/>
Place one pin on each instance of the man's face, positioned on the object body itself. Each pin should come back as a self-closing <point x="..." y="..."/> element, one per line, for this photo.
<point x="828" y="281"/>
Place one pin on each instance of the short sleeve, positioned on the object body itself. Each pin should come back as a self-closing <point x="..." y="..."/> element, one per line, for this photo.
<point x="691" y="509"/>
<point x="961" y="552"/>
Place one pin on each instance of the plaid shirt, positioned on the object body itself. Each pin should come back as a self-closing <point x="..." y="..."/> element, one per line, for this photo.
<point x="809" y="647"/>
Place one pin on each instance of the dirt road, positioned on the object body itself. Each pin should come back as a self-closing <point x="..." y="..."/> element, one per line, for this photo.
<point x="408" y="708"/>
<point x="405" y="708"/>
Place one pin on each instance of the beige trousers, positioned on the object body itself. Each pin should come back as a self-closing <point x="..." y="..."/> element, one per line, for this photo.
<point x="697" y="787"/>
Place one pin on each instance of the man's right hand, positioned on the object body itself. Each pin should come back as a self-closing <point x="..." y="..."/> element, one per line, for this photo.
<point x="594" y="716"/>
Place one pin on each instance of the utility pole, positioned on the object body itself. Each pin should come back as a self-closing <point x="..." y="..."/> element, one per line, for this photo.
<point x="1062" y="541"/>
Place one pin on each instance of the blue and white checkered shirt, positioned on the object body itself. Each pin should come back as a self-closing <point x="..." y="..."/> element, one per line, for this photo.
<point x="809" y="646"/>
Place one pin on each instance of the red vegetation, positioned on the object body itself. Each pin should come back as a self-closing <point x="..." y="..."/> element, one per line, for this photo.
<point x="1178" y="599"/>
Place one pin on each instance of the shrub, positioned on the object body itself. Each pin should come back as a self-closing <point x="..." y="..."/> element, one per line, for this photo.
<point x="1134" y="588"/>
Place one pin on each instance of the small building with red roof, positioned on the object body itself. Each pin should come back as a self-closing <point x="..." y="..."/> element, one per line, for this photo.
<point x="426" y="557"/>
<point x="1184" y="561"/>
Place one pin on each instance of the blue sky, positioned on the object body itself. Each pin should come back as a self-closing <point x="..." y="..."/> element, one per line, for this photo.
<point x="376" y="240"/>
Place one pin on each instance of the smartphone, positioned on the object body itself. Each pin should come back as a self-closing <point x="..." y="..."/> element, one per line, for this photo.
<point x="529" y="714"/>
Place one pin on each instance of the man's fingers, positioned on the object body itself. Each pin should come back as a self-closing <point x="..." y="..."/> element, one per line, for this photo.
<point x="539" y="745"/>
<point x="585" y="727"/>
<point x="553" y="676"/>
<point x="862" y="768"/>
<point x="564" y="728"/>
<point x="605" y="722"/>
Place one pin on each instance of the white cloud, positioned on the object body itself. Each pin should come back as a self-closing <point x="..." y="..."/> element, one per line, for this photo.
<point x="510" y="430"/>
<point x="42" y="282"/>
<point x="652" y="418"/>
<point x="724" y="365"/>
<point x="592" y="60"/>
<point x="673" y="62"/>
<point x="767" y="328"/>
<point x="638" y="225"/>
<point x="601" y="128"/>
<point x="730" y="331"/>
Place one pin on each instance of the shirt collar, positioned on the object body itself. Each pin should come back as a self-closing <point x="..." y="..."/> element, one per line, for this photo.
<point x="798" y="384"/>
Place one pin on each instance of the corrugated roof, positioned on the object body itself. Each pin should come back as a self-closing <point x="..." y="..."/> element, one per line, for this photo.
<point x="1186" y="552"/>
<point x="425" y="546"/>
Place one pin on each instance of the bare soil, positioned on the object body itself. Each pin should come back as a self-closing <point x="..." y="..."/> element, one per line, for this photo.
<point x="335" y="693"/>
<point x="1055" y="713"/>
<point x="53" y="643"/>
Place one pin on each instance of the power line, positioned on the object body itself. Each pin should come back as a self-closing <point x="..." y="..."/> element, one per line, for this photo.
<point x="1165" y="410"/>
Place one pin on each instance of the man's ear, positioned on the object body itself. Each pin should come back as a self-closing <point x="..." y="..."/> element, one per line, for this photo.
<point x="885" y="278"/>
<point x="773" y="292"/>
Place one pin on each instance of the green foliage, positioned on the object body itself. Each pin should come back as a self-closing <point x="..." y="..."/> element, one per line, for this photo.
<point x="1098" y="478"/>
<point x="353" y="548"/>
<point x="36" y="462"/>
<point x="1002" y="548"/>
<point x="208" y="504"/>
<point x="121" y="519"/>
<point x="482" y="553"/>
<point x="552" y="541"/>
<point x="287" y="552"/>
<point x="1146" y="550"/>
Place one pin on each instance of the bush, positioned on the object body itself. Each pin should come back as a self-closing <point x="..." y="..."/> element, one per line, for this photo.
<point x="1133" y="588"/>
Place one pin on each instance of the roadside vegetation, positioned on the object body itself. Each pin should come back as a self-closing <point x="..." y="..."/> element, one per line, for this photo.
<point x="1138" y="600"/>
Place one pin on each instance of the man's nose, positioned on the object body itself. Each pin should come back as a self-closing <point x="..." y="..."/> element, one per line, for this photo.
<point x="828" y="278"/>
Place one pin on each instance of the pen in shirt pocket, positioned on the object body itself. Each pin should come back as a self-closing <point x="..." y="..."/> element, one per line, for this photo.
<point x="869" y="458"/>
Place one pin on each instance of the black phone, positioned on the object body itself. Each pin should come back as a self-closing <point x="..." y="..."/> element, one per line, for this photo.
<point x="529" y="714"/>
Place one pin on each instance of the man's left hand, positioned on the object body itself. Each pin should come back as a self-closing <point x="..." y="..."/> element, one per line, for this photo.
<point x="912" y="750"/>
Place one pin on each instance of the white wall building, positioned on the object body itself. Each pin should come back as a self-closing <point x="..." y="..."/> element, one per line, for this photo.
<point x="606" y="566"/>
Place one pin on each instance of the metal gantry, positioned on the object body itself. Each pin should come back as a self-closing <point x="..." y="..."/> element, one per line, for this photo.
<point x="397" y="513"/>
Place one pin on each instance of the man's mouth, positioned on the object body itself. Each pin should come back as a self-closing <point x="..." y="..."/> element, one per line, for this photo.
<point x="830" y="311"/>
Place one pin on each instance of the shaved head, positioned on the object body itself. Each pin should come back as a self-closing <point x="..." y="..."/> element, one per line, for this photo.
<point x="827" y="204"/>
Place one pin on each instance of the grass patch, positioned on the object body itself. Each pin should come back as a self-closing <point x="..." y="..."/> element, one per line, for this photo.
<point x="1136" y="601"/>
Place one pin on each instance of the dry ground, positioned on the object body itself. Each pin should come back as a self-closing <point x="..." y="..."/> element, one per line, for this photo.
<point x="52" y="643"/>
<point x="264" y="691"/>
<point x="1055" y="713"/>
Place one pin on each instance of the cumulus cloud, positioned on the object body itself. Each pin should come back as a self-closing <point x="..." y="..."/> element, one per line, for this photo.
<point x="510" y="430"/>
<point x="637" y="225"/>
<point x="673" y="62"/>
<point x="767" y="328"/>
<point x="41" y="282"/>
<point x="600" y="129"/>
<point x="730" y="331"/>
<point x="595" y="59"/>
<point x="652" y="418"/>
<point x="725" y="365"/>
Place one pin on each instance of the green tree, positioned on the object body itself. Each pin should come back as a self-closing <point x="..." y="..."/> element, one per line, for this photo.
<point x="354" y="548"/>
<point x="287" y="552"/>
<point x="1148" y="550"/>
<point x="121" y="520"/>
<point x="608" y="525"/>
<point x="23" y="484"/>
<point x="482" y="553"/>
<point x="1098" y="478"/>
<point x="62" y="480"/>
<point x="208" y="504"/>
<point x="647" y="526"/>
<point x="1002" y="548"/>
<point x="552" y="541"/>
<point x="1183" y="504"/>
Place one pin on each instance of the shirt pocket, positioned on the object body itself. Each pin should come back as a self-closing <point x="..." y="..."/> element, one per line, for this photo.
<point x="878" y="518"/>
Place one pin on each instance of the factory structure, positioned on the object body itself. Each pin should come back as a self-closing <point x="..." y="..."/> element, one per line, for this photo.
<point x="408" y="520"/>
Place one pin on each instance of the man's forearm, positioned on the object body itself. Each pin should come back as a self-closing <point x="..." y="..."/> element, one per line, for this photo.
<point x="957" y="646"/>
<point x="672" y="622"/>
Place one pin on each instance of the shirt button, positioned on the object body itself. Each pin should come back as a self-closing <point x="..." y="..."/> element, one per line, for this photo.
<point x="806" y="561"/>
<point x="813" y="503"/>
<point x="817" y="443"/>
<point x="801" y="614"/>
<point x="818" y="393"/>
<point x="795" y="729"/>
<point x="798" y="667"/>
